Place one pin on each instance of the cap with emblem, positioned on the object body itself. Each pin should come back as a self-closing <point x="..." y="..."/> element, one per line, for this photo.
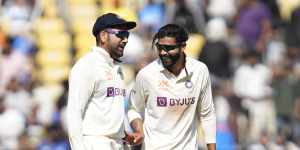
<point x="111" y="20"/>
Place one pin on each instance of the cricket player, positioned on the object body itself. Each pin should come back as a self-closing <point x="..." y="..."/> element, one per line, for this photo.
<point x="95" y="110"/>
<point x="173" y="92"/>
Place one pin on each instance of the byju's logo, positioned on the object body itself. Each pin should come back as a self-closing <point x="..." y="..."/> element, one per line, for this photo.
<point x="111" y="92"/>
<point x="183" y="101"/>
<point x="162" y="101"/>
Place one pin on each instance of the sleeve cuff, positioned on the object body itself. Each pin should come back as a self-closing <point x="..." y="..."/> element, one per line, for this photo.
<point x="133" y="115"/>
<point x="209" y="129"/>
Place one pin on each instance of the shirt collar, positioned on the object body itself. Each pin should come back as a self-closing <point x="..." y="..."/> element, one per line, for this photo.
<point x="161" y="68"/>
<point x="104" y="54"/>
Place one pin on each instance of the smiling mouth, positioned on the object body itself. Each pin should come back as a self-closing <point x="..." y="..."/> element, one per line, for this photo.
<point x="165" y="59"/>
<point x="122" y="46"/>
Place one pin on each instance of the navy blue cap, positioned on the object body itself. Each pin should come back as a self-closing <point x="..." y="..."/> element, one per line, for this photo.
<point x="111" y="20"/>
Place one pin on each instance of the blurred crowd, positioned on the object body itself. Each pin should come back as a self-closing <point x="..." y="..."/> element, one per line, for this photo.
<point x="251" y="47"/>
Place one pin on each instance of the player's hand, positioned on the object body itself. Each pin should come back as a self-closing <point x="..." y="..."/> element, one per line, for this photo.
<point x="129" y="138"/>
<point x="138" y="137"/>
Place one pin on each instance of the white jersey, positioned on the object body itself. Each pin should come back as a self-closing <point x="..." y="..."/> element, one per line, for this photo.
<point x="96" y="98"/>
<point x="172" y="105"/>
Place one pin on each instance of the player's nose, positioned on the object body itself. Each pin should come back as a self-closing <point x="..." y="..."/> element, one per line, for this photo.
<point x="163" y="52"/>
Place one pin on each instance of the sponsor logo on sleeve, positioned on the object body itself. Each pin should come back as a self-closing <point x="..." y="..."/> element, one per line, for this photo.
<point x="112" y="92"/>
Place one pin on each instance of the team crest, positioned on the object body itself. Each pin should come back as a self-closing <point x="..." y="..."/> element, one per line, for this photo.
<point x="163" y="84"/>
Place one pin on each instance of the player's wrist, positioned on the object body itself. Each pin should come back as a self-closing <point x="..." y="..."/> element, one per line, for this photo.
<point x="211" y="146"/>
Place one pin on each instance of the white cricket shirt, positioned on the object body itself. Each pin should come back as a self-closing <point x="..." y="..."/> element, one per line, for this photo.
<point x="253" y="81"/>
<point x="96" y="98"/>
<point x="171" y="108"/>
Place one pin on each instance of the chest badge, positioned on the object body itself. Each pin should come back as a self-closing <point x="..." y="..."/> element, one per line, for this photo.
<point x="163" y="84"/>
<point x="188" y="84"/>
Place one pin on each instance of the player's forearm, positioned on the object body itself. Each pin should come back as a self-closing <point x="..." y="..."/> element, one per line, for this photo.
<point x="211" y="146"/>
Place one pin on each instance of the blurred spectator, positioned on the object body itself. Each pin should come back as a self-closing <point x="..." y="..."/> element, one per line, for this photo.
<point x="18" y="98"/>
<point x="286" y="88"/>
<point x="265" y="143"/>
<point x="55" y="139"/>
<point x="151" y="17"/>
<point x="45" y="96"/>
<point x="2" y="39"/>
<point x="216" y="30"/>
<point x="293" y="35"/>
<point x="226" y="9"/>
<point x="58" y="116"/>
<point x="225" y="135"/>
<point x="296" y="108"/>
<point x="284" y="97"/>
<point x="274" y="9"/>
<point x="187" y="14"/>
<point x="238" y="119"/>
<point x="296" y="121"/>
<point x="25" y="143"/>
<point x="252" y="83"/>
<point x="12" y="126"/>
<point x="276" y="48"/>
<point x="236" y="46"/>
<point x="24" y="44"/>
<point x="13" y="64"/>
<point x="17" y="13"/>
<point x="215" y="53"/>
<point x="254" y="24"/>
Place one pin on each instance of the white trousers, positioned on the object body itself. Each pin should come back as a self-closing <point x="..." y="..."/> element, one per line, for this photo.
<point x="262" y="118"/>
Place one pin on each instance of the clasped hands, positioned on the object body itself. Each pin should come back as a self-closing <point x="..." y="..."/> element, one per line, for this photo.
<point x="135" y="138"/>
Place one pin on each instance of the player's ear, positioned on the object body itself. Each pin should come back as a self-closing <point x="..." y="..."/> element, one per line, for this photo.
<point x="103" y="36"/>
<point x="183" y="46"/>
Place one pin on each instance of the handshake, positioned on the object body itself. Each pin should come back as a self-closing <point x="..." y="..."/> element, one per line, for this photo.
<point x="135" y="138"/>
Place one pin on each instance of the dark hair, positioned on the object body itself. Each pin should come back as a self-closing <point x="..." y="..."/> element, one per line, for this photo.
<point x="172" y="30"/>
<point x="97" y="39"/>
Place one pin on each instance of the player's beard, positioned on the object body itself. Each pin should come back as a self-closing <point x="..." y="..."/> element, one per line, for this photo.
<point x="117" y="49"/>
<point x="170" y="60"/>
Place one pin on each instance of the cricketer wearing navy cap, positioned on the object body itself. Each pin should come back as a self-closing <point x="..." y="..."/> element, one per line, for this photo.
<point x="111" y="20"/>
<point x="113" y="24"/>
<point x="95" y="110"/>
